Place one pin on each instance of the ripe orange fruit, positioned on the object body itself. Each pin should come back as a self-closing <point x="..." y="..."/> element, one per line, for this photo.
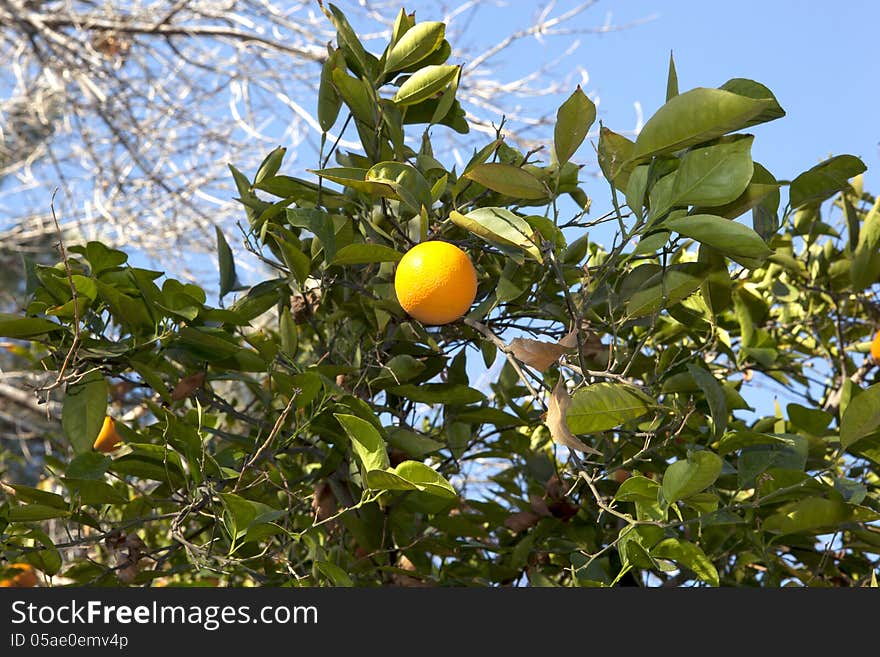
<point x="435" y="282"/>
<point x="25" y="578"/>
<point x="107" y="439"/>
<point x="875" y="348"/>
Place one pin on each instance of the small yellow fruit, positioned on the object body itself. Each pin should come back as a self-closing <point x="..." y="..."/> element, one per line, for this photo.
<point x="26" y="577"/>
<point x="435" y="282"/>
<point x="875" y="349"/>
<point x="107" y="439"/>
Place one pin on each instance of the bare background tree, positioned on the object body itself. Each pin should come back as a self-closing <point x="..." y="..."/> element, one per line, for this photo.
<point x="133" y="109"/>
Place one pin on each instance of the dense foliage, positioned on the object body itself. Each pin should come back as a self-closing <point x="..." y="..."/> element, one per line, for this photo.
<point x="310" y="433"/>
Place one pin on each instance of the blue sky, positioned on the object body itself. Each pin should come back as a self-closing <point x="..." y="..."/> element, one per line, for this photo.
<point x="817" y="57"/>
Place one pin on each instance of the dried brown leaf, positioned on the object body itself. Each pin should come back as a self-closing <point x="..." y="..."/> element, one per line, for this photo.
<point x="539" y="505"/>
<point x="534" y="353"/>
<point x="401" y="579"/>
<point x="128" y="573"/>
<point x="324" y="502"/>
<point x="593" y="348"/>
<point x="570" y="341"/>
<point x="187" y="386"/>
<point x="521" y="521"/>
<point x="557" y="407"/>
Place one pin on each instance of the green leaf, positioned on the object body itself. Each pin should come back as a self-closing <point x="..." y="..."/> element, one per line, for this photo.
<point x="813" y="515"/>
<point x="824" y="180"/>
<point x="402" y="24"/>
<point x="812" y="420"/>
<point x="714" y="396"/>
<point x="362" y="254"/>
<point x="35" y="513"/>
<point x="329" y="100"/>
<point x="367" y="442"/>
<point x="425" y="478"/>
<point x="228" y="277"/>
<point x="636" y="186"/>
<point x="862" y="416"/>
<point x="764" y="213"/>
<point x="638" y="489"/>
<point x="573" y="121"/>
<point x="752" y="198"/>
<point x="309" y="386"/>
<point x="691" y="475"/>
<point x="728" y="237"/>
<point x="439" y="393"/>
<point x="489" y="415"/>
<point x="694" y="117"/>
<point x="356" y="179"/>
<point x="662" y="290"/>
<point x="417" y="43"/>
<point x="865" y="266"/>
<point x="739" y="439"/>
<point x="206" y="343"/>
<point x="429" y="111"/>
<point x="270" y="164"/>
<point x="300" y="191"/>
<point x="853" y="492"/>
<point x="788" y="452"/>
<point x="94" y="492"/>
<point x="397" y="370"/>
<point x="756" y="90"/>
<point x="297" y="262"/>
<point x="357" y="95"/>
<point x="602" y="406"/>
<point x="37" y="496"/>
<point x="318" y="222"/>
<point x="543" y="229"/>
<point x="83" y="411"/>
<point x="238" y="514"/>
<point x="336" y="575"/>
<point x="414" y="444"/>
<point x="508" y="180"/>
<point x="150" y="462"/>
<point x="715" y="174"/>
<point x="690" y="556"/>
<point x="614" y="151"/>
<point x="499" y="226"/>
<point x="16" y="326"/>
<point x="102" y="258"/>
<point x="347" y="39"/>
<point x="424" y="83"/>
<point x="411" y="475"/>
<point x="447" y="101"/>
<point x="408" y="184"/>
<point x="387" y="480"/>
<point x="635" y="542"/>
<point x="88" y="465"/>
<point x="671" y="80"/>
<point x="48" y="559"/>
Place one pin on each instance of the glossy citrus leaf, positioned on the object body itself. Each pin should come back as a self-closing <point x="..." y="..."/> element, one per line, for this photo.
<point x="507" y="179"/>
<point x="414" y="45"/>
<point x="367" y="442"/>
<point x="601" y="406"/>
<point x="84" y="410"/>
<point x="573" y="121"/>
<point x="728" y="237"/>
<point x="691" y="475"/>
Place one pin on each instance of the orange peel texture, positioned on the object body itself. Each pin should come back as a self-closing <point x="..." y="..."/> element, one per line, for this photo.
<point x="435" y="282"/>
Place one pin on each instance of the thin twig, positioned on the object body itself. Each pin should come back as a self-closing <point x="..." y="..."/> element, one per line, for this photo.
<point x="272" y="434"/>
<point x="498" y="342"/>
<point x="76" y="337"/>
